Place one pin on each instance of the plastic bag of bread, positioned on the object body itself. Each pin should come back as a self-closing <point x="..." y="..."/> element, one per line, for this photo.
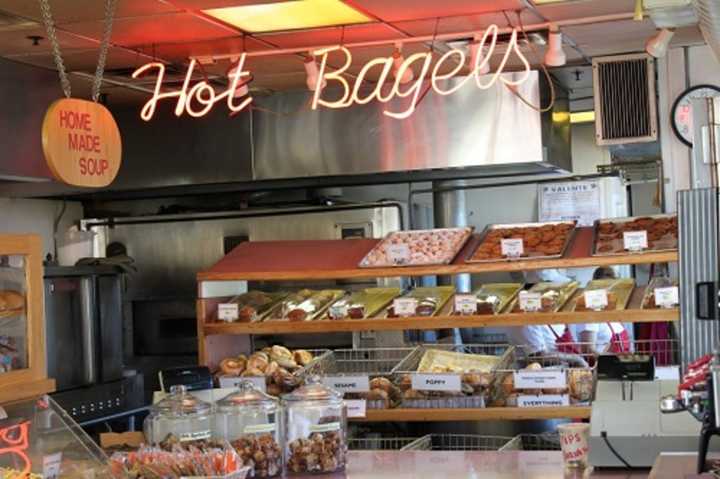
<point x="11" y="301"/>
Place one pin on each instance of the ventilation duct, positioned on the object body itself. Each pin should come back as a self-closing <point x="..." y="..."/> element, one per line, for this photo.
<point x="708" y="13"/>
<point x="625" y="103"/>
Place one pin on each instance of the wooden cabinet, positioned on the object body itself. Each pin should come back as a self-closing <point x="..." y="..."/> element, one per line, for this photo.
<point x="23" y="372"/>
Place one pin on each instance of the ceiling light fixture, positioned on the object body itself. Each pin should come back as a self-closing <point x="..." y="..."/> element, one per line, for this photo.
<point x="311" y="69"/>
<point x="554" y="55"/>
<point x="475" y="51"/>
<point x="398" y="60"/>
<point x="657" y="45"/>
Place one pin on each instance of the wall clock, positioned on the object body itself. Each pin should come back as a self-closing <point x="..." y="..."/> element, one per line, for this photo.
<point x="681" y="113"/>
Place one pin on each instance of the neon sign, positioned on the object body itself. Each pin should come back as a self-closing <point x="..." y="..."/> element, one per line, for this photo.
<point x="14" y="440"/>
<point x="199" y="99"/>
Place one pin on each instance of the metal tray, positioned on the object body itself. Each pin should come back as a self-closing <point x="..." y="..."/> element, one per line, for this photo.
<point x="628" y="219"/>
<point x="467" y="232"/>
<point x="622" y="288"/>
<point x="489" y="228"/>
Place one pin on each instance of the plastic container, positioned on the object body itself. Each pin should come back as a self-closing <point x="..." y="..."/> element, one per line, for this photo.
<point x="249" y="420"/>
<point x="315" y="428"/>
<point x="179" y="418"/>
<point x="74" y="245"/>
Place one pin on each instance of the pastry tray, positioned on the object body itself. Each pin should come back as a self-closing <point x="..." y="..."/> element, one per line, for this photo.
<point x="466" y="233"/>
<point x="659" y="282"/>
<point x="567" y="291"/>
<point x="373" y="299"/>
<point x="501" y="290"/>
<point x="337" y="293"/>
<point x="622" y="288"/>
<point x="276" y="300"/>
<point x="444" y="293"/>
<point x="629" y="219"/>
<point x="489" y="228"/>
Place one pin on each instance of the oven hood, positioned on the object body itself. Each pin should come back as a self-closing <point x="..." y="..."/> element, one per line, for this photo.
<point x="282" y="143"/>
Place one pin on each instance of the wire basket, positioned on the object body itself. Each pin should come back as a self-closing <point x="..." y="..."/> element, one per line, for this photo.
<point x="371" y="362"/>
<point x="379" y="443"/>
<point x="547" y="441"/>
<point x="457" y="442"/>
<point x="574" y="383"/>
<point x="475" y="384"/>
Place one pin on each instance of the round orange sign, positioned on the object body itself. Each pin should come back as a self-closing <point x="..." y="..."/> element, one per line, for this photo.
<point x="81" y="143"/>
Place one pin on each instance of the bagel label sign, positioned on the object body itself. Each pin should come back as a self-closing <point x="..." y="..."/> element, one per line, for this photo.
<point x="81" y="143"/>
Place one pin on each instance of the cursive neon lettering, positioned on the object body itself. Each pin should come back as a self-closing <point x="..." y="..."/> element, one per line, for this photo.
<point x="197" y="100"/>
<point x="201" y="93"/>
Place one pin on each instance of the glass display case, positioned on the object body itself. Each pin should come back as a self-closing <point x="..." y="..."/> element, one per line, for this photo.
<point x="39" y="439"/>
<point x="23" y="372"/>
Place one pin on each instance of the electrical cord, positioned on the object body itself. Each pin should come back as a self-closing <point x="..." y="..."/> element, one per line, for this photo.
<point x="603" y="434"/>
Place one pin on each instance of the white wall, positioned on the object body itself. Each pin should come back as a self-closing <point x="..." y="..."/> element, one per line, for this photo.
<point x="19" y="216"/>
<point x="586" y="154"/>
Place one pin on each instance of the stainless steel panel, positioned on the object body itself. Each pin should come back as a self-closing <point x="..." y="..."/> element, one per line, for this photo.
<point x="25" y="95"/>
<point x="110" y="300"/>
<point x="472" y="127"/>
<point x="698" y="239"/>
<point x="89" y="332"/>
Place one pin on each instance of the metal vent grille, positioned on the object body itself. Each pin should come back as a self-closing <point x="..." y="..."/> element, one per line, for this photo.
<point x="624" y="91"/>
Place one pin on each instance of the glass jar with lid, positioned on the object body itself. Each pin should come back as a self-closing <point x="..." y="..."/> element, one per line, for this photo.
<point x="180" y="418"/>
<point x="249" y="420"/>
<point x="315" y="429"/>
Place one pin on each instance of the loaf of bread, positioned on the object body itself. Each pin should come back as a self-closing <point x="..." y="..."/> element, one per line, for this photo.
<point x="11" y="301"/>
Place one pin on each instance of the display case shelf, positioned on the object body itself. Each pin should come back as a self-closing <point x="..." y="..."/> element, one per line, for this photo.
<point x="338" y="259"/>
<point x="482" y="414"/>
<point x="633" y="314"/>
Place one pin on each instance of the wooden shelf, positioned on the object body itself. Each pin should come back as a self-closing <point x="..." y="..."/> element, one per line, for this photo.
<point x="15" y="392"/>
<point x="338" y="259"/>
<point x="631" y="315"/>
<point x="484" y="414"/>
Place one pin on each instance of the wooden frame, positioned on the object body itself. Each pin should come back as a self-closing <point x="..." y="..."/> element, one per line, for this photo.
<point x="33" y="380"/>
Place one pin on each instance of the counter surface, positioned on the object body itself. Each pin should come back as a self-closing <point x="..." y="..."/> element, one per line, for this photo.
<point x="460" y="464"/>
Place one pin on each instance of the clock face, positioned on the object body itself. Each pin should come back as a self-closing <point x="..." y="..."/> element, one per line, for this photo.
<point x="682" y="110"/>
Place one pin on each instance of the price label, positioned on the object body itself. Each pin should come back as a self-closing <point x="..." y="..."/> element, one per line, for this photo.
<point x="233" y="382"/>
<point x="195" y="436"/>
<point x="405" y="306"/>
<point x="348" y="384"/>
<point x="326" y="427"/>
<point x="512" y="247"/>
<point x="530" y="302"/>
<point x="338" y="310"/>
<point x="635" y="240"/>
<point x="596" y="299"/>
<point x="228" y="312"/>
<point x="667" y="297"/>
<point x="465" y="304"/>
<point x="436" y="382"/>
<point x="356" y="407"/>
<point x="398" y="253"/>
<point x="258" y="428"/>
<point x="543" y="400"/>
<point x="51" y="465"/>
<point x="542" y="379"/>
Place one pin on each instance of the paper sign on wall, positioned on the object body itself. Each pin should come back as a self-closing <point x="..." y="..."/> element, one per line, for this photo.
<point x="436" y="382"/>
<point x="570" y="201"/>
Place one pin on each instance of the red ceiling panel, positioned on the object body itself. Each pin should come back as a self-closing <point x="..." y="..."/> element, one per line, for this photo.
<point x="565" y="10"/>
<point x="333" y="35"/>
<point x="397" y="10"/>
<point x="206" y="4"/>
<point x="170" y="28"/>
<point x="85" y="10"/>
<point x="16" y="42"/>
<point x="179" y="52"/>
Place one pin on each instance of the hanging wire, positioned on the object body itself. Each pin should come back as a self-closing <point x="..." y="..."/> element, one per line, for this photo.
<point x="513" y="89"/>
<point x="57" y="57"/>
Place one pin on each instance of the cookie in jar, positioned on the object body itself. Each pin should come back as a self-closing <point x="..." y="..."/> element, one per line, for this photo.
<point x="249" y="420"/>
<point x="315" y="428"/>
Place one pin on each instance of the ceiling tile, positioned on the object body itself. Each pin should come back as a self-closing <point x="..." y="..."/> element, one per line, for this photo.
<point x="585" y="8"/>
<point x="179" y="52"/>
<point x="333" y="35"/>
<point x="16" y="42"/>
<point x="85" y="10"/>
<point x="410" y="9"/>
<point x="627" y="36"/>
<point x="85" y="60"/>
<point x="173" y="27"/>
<point x="207" y="4"/>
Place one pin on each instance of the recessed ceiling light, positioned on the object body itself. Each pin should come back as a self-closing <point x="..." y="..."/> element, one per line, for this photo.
<point x="291" y="15"/>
